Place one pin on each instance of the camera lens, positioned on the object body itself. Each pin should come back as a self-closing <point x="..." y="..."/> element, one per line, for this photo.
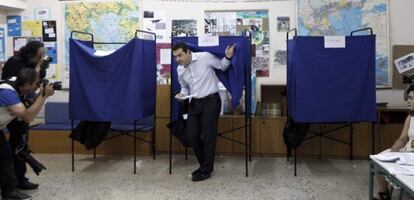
<point x="57" y="85"/>
<point x="48" y="59"/>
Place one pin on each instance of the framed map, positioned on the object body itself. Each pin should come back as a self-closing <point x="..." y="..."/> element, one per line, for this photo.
<point x="340" y="17"/>
<point x="114" y="21"/>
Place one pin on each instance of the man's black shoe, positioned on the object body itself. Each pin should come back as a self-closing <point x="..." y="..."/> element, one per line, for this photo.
<point x="27" y="185"/>
<point x="201" y="176"/>
<point x="17" y="195"/>
<point x="196" y="172"/>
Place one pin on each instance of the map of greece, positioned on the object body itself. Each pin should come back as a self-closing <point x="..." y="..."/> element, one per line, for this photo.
<point x="107" y="21"/>
<point x="340" y="17"/>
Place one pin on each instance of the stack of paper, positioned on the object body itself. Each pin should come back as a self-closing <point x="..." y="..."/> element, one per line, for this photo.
<point x="401" y="170"/>
<point x="406" y="159"/>
<point x="388" y="157"/>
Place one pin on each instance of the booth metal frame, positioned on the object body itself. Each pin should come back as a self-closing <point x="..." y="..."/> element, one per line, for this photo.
<point x="323" y="134"/>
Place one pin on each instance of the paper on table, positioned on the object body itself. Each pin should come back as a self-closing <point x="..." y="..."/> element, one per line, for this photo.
<point x="388" y="157"/>
<point x="400" y="170"/>
<point x="406" y="159"/>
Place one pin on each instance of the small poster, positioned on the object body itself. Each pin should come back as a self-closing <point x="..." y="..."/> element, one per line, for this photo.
<point x="404" y="63"/>
<point x="42" y="13"/>
<point x="156" y="22"/>
<point x="184" y="28"/>
<point x="163" y="55"/>
<point x="49" y="31"/>
<point x="280" y="58"/>
<point x="283" y="24"/>
<point x="19" y="42"/>
<point x="50" y="50"/>
<point x="14" y="26"/>
<point x="32" y="28"/>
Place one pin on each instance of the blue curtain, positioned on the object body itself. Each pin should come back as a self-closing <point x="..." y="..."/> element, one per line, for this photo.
<point x="331" y="84"/>
<point x="119" y="86"/>
<point x="233" y="78"/>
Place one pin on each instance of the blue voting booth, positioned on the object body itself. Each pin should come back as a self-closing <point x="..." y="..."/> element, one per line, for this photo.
<point x="331" y="85"/>
<point x="119" y="87"/>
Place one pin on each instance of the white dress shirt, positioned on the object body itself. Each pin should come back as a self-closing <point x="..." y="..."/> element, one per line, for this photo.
<point x="199" y="78"/>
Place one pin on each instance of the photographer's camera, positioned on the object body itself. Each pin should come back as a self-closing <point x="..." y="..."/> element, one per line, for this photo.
<point x="56" y="85"/>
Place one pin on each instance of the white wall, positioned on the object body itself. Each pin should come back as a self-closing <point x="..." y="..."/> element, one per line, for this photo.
<point x="400" y="15"/>
<point x="401" y="31"/>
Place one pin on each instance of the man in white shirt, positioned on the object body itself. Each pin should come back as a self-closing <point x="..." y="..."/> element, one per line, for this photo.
<point x="197" y="77"/>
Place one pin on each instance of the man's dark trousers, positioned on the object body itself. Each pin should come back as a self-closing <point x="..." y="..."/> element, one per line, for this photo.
<point x="19" y="134"/>
<point x="8" y="179"/>
<point x="202" y="129"/>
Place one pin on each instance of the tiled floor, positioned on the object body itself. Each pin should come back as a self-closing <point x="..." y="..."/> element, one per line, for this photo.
<point x="111" y="177"/>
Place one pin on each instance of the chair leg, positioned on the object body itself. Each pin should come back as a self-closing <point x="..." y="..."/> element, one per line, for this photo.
<point x="153" y="145"/>
<point x="135" y="152"/>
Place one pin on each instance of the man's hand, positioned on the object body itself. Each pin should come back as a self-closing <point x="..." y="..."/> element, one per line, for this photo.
<point x="179" y="97"/>
<point x="229" y="51"/>
<point x="39" y="63"/>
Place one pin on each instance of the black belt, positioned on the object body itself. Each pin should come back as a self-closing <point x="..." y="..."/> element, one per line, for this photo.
<point x="207" y="97"/>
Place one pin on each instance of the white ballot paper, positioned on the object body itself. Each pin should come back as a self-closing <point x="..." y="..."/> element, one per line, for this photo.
<point x="186" y="97"/>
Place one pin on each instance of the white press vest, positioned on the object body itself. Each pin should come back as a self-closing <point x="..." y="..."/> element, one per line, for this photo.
<point x="5" y="115"/>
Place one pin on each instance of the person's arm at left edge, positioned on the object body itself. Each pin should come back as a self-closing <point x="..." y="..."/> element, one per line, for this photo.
<point x="222" y="64"/>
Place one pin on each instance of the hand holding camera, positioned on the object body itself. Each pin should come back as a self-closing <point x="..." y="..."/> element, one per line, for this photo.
<point x="46" y="88"/>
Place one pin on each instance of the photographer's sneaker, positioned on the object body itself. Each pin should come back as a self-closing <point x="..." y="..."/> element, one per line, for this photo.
<point x="27" y="185"/>
<point x="17" y="195"/>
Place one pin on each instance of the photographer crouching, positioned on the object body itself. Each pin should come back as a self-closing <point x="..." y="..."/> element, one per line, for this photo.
<point x="12" y="92"/>
<point x="31" y="56"/>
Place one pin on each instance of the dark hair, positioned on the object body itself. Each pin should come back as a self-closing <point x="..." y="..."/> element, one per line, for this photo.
<point x="407" y="91"/>
<point x="26" y="75"/>
<point x="180" y="45"/>
<point x="30" y="50"/>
